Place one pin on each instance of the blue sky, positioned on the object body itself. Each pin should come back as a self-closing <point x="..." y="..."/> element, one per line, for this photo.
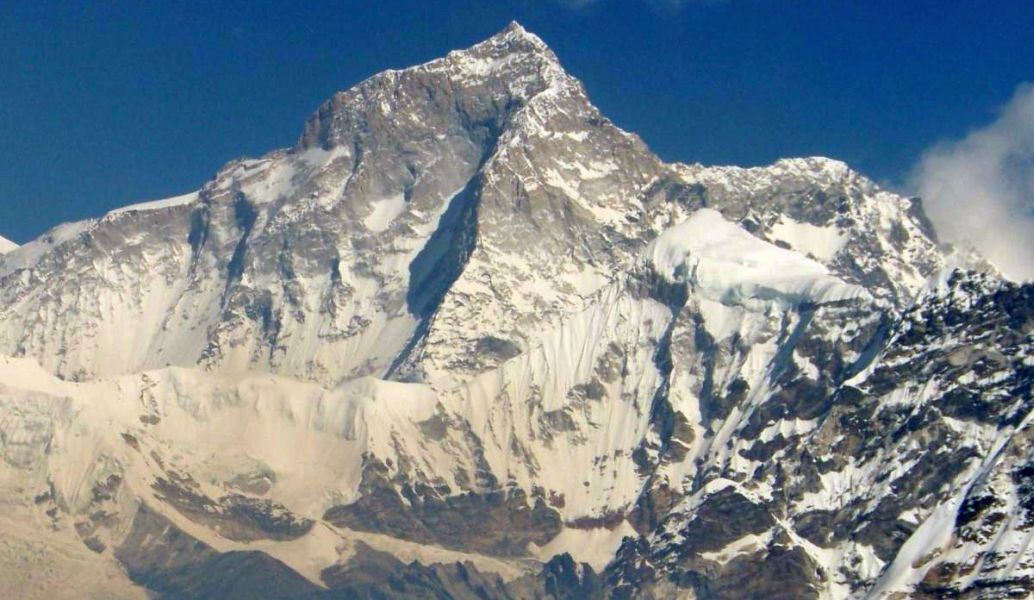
<point x="105" y="104"/>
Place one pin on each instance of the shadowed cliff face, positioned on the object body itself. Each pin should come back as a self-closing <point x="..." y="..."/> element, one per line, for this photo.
<point x="468" y="339"/>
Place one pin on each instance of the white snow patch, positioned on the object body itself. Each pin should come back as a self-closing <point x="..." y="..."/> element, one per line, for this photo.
<point x="595" y="547"/>
<point x="745" y="545"/>
<point x="726" y="263"/>
<point x="6" y="245"/>
<point x="821" y="242"/>
<point x="384" y="212"/>
<point x="157" y="204"/>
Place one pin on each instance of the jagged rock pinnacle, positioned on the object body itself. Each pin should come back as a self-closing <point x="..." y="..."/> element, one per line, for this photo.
<point x="507" y="68"/>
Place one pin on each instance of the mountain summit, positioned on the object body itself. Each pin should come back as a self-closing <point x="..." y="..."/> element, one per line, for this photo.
<point x="467" y="338"/>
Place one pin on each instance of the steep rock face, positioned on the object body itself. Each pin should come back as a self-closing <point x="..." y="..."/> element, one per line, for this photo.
<point x="403" y="211"/>
<point x="164" y="559"/>
<point x="469" y="339"/>
<point x="902" y="478"/>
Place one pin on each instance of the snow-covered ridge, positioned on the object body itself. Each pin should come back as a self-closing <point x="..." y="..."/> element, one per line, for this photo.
<point x="726" y="263"/>
<point x="822" y="208"/>
<point x="817" y="169"/>
<point x="17" y="257"/>
<point x="513" y="47"/>
<point x="27" y="255"/>
<point x="180" y="200"/>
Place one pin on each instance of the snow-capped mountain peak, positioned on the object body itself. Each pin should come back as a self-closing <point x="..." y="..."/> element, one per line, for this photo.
<point x="506" y="70"/>
<point x="469" y="339"/>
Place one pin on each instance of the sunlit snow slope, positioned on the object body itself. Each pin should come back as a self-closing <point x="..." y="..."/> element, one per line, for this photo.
<point x="6" y="245"/>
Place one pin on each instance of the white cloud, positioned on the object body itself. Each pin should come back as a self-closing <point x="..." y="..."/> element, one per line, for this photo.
<point x="981" y="188"/>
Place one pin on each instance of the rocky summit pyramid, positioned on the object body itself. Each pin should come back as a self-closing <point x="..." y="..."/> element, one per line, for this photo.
<point x="468" y="339"/>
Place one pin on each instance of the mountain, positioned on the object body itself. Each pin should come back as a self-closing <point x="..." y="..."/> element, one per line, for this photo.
<point x="6" y="245"/>
<point x="468" y="339"/>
